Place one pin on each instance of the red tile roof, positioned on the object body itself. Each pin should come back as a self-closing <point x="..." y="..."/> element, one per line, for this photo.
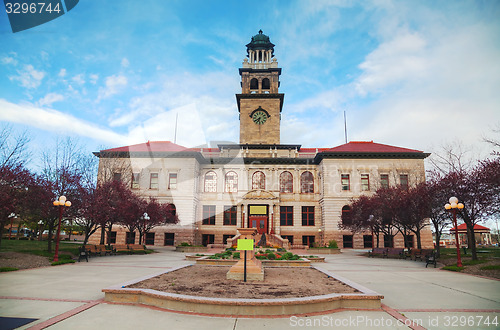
<point x="463" y="227"/>
<point x="369" y="146"/>
<point x="150" y="146"/>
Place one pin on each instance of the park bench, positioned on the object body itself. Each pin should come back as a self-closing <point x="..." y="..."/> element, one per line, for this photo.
<point x="416" y="254"/>
<point x="377" y="251"/>
<point x="90" y="249"/>
<point x="137" y="247"/>
<point x="398" y="252"/>
<point x="83" y="253"/>
<point x="120" y="248"/>
<point x="430" y="258"/>
<point x="100" y="249"/>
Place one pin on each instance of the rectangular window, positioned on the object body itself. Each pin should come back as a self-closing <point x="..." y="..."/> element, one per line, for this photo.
<point x="365" y="182"/>
<point x="117" y="176"/>
<point x="403" y="181"/>
<point x="288" y="237"/>
<point x="367" y="241"/>
<point x="307" y="215"/>
<point x="208" y="214"/>
<point x="384" y="181"/>
<point x="130" y="238"/>
<point x="286" y="215"/>
<point x="409" y="241"/>
<point x="172" y="181"/>
<point x="135" y="181"/>
<point x="308" y="240"/>
<point x="388" y="241"/>
<point x="207" y="239"/>
<point x="347" y="241"/>
<point x="230" y="215"/>
<point x="344" y="178"/>
<point x="150" y="238"/>
<point x="169" y="239"/>
<point x="111" y="237"/>
<point x="153" y="181"/>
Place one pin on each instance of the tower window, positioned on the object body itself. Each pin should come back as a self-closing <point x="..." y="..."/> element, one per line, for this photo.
<point x="254" y="83"/>
<point x="266" y="84"/>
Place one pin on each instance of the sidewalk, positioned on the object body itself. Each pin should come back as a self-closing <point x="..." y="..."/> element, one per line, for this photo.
<point x="72" y="294"/>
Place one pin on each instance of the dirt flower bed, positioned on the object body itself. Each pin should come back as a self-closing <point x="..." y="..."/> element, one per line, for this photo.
<point x="210" y="281"/>
<point x="475" y="269"/>
<point x="22" y="260"/>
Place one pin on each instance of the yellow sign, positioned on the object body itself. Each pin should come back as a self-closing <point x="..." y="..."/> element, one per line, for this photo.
<point x="245" y="244"/>
<point x="258" y="209"/>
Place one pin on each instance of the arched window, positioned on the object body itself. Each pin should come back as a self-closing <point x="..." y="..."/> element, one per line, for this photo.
<point x="254" y="83"/>
<point x="259" y="181"/>
<point x="171" y="208"/>
<point x="346" y="215"/>
<point x="266" y="84"/>
<point x="286" y="182"/>
<point x="231" y="182"/>
<point x="211" y="182"/>
<point x="307" y="183"/>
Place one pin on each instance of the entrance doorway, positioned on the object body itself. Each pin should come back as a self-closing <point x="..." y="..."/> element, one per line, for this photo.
<point x="258" y="218"/>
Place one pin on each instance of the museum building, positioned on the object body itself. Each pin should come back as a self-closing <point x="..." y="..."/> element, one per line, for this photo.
<point x="295" y="195"/>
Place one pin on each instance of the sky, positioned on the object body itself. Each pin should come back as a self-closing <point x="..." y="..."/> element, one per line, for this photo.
<point x="109" y="73"/>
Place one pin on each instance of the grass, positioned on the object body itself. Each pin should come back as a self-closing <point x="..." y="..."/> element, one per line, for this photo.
<point x="491" y="267"/>
<point x="7" y="269"/>
<point x="453" y="268"/>
<point x="39" y="248"/>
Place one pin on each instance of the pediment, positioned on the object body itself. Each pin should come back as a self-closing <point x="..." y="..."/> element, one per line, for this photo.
<point x="259" y="194"/>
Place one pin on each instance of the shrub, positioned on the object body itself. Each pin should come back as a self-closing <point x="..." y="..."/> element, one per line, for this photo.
<point x="281" y="250"/>
<point x="333" y="244"/>
<point x="271" y="256"/>
<point x="236" y="255"/>
<point x="287" y="256"/>
<point x="7" y="269"/>
<point x="185" y="244"/>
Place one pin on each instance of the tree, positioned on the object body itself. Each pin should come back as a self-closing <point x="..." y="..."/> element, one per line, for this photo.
<point x="438" y="216"/>
<point x="158" y="215"/>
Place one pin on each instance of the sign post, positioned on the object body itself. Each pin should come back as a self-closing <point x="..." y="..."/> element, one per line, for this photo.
<point x="245" y="245"/>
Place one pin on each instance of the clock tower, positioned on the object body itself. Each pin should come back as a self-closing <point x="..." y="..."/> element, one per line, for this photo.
<point x="259" y="103"/>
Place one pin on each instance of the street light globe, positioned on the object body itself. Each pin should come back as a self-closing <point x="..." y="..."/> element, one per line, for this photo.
<point x="453" y="205"/>
<point x="460" y="206"/>
<point x="453" y="200"/>
<point x="62" y="199"/>
<point x="447" y="206"/>
<point x="68" y="203"/>
<point x="56" y="203"/>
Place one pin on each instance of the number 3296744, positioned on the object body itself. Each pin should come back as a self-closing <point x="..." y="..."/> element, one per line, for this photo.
<point x="31" y="8"/>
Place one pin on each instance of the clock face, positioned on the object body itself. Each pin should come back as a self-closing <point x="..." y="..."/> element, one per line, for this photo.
<point x="259" y="117"/>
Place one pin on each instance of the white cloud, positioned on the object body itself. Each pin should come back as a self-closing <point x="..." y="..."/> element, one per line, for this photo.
<point x="50" y="98"/>
<point x="8" y="60"/>
<point x="56" y="121"/>
<point x="62" y="73"/>
<point x="125" y="63"/>
<point x="79" y="79"/>
<point x="94" y="78"/>
<point x="114" y="84"/>
<point x="29" y="77"/>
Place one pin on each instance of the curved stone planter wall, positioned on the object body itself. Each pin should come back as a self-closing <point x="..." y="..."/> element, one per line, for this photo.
<point x="323" y="251"/>
<point x="367" y="299"/>
<point x="191" y="249"/>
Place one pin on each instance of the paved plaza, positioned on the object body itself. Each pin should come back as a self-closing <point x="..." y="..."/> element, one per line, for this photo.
<point x="70" y="297"/>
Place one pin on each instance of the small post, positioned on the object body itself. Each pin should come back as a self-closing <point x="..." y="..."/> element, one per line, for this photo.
<point x="245" y="267"/>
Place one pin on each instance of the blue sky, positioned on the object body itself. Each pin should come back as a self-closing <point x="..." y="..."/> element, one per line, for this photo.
<point x="415" y="74"/>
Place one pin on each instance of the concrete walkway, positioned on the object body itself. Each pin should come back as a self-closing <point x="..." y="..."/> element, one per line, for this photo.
<point x="70" y="297"/>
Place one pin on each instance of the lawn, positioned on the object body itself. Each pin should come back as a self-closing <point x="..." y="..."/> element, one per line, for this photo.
<point x="38" y="248"/>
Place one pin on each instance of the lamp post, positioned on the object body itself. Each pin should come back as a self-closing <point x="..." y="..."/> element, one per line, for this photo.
<point x="11" y="216"/>
<point x="40" y="227"/>
<point x="452" y="207"/>
<point x="61" y="202"/>
<point x="146" y="217"/>
<point x="320" y="232"/>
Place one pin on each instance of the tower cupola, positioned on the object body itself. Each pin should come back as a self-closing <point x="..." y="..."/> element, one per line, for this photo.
<point x="260" y="53"/>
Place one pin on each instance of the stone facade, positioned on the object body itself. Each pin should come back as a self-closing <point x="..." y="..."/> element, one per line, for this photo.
<point x="288" y="191"/>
